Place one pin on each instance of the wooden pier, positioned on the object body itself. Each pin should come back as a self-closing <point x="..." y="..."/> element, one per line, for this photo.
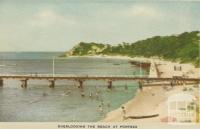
<point x="81" y="79"/>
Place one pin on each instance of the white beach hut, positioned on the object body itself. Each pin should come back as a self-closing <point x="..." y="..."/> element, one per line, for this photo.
<point x="182" y="108"/>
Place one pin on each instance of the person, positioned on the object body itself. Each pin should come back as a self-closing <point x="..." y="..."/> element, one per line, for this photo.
<point x="66" y="93"/>
<point x="108" y="104"/>
<point x="100" y="108"/>
<point x="172" y="84"/>
<point x="140" y="85"/>
<point x="123" y="112"/>
<point x="90" y="95"/>
<point x="102" y="103"/>
<point x="82" y="94"/>
<point x="44" y="94"/>
<point x="36" y="74"/>
<point x="97" y="95"/>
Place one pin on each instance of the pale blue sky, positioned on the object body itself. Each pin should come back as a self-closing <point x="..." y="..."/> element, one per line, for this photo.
<point x="57" y="25"/>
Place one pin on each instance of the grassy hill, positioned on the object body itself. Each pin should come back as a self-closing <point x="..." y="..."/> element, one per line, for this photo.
<point x="183" y="48"/>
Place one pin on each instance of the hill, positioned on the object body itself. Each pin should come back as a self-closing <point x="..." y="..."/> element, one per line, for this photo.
<point x="183" y="48"/>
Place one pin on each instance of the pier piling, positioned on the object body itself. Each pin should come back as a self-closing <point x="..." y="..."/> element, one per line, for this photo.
<point x="1" y="82"/>
<point x="80" y="84"/>
<point x="52" y="83"/>
<point x="24" y="83"/>
<point x="109" y="84"/>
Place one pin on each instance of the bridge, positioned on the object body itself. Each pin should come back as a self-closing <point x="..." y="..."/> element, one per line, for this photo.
<point x="109" y="79"/>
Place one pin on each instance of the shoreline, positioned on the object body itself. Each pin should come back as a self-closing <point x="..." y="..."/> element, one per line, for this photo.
<point x="163" y="67"/>
<point x="101" y="56"/>
<point x="137" y="106"/>
<point x="141" y="104"/>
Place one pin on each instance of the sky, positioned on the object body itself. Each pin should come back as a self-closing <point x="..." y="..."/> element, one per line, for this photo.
<point x="58" y="25"/>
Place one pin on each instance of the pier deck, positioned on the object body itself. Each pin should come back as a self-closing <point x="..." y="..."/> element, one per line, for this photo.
<point x="81" y="78"/>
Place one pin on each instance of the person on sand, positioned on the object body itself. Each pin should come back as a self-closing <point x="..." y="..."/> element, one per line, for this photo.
<point x="123" y="112"/>
<point x="172" y="84"/>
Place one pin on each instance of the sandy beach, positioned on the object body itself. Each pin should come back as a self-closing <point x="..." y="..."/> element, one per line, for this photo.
<point x="153" y="100"/>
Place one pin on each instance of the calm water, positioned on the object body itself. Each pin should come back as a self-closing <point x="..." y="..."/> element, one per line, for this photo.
<point x="63" y="103"/>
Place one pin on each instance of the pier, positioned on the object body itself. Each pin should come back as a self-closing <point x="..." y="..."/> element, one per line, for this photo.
<point x="109" y="79"/>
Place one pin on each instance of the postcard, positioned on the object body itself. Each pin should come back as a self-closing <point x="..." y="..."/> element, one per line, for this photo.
<point x="99" y="64"/>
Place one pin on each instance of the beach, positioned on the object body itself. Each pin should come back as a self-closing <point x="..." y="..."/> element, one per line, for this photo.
<point x="153" y="100"/>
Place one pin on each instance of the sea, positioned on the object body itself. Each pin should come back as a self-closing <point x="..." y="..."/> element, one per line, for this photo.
<point x="64" y="103"/>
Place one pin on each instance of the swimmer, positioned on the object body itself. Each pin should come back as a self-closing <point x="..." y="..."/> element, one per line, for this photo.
<point x="108" y="104"/>
<point x="100" y="108"/>
<point x="90" y="95"/>
<point x="97" y="96"/>
<point x="68" y="92"/>
<point x="44" y="94"/>
<point x="82" y="94"/>
<point x="102" y="103"/>
<point x="98" y="91"/>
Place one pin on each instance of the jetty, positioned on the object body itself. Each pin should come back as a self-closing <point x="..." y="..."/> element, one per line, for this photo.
<point x="143" y="80"/>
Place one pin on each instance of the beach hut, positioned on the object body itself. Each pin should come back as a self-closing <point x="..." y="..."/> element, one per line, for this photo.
<point x="182" y="108"/>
